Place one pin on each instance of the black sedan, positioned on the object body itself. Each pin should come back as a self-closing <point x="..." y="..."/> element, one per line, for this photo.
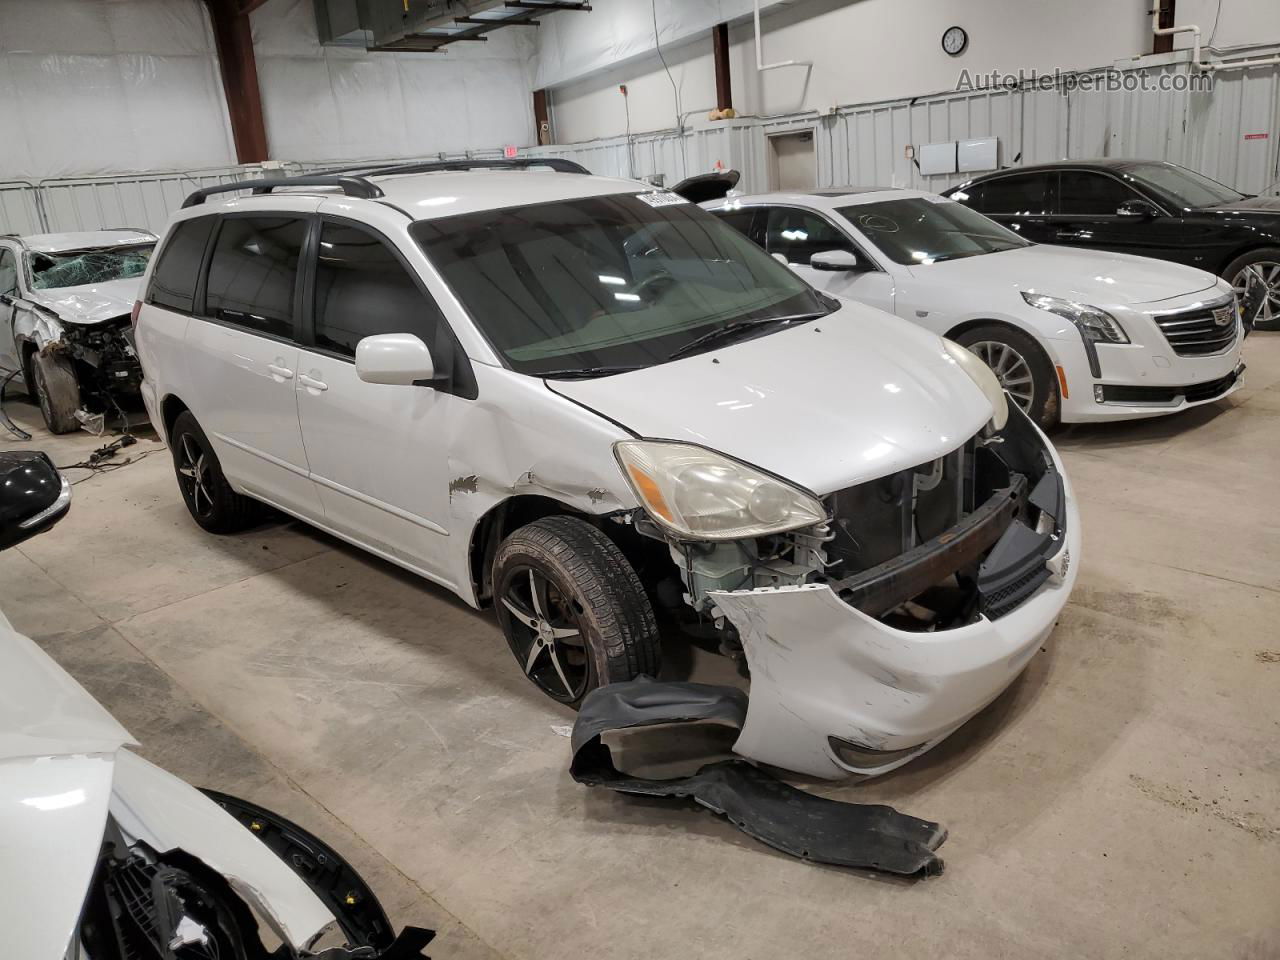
<point x="1147" y="207"/>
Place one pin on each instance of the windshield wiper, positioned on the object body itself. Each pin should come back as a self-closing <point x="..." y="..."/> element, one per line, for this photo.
<point x="731" y="331"/>
<point x="587" y="373"/>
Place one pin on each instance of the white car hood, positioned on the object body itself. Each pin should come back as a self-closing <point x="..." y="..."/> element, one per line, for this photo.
<point x="827" y="404"/>
<point x="1086" y="276"/>
<point x="92" y="303"/>
<point x="57" y="759"/>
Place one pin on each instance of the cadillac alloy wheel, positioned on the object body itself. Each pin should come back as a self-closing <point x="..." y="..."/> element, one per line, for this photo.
<point x="1257" y="284"/>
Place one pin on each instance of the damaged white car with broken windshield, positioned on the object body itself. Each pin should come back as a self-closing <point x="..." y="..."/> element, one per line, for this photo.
<point x="580" y="400"/>
<point x="65" y="304"/>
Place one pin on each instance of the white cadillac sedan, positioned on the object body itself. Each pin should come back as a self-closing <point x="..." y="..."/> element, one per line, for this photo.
<point x="575" y="399"/>
<point x="1073" y="335"/>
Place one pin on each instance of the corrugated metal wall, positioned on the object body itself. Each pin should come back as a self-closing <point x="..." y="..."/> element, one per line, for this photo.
<point x="862" y="145"/>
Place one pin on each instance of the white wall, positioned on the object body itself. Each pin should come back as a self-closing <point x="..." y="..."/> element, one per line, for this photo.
<point x="104" y="86"/>
<point x="343" y="103"/>
<point x="862" y="52"/>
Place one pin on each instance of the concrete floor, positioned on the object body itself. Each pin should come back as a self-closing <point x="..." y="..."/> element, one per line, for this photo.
<point x="1121" y="799"/>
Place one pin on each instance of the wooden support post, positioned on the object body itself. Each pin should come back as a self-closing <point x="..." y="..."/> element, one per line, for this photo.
<point x="1164" y="44"/>
<point x="233" y="36"/>
<point x="724" y="89"/>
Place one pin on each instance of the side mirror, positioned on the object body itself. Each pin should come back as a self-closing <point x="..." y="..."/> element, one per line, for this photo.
<point x="394" y="358"/>
<point x="845" y="260"/>
<point x="1136" y="208"/>
<point x="33" y="496"/>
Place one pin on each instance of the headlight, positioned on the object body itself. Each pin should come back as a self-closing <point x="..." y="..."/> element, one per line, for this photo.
<point x="987" y="382"/>
<point x="703" y="495"/>
<point x="1094" y="325"/>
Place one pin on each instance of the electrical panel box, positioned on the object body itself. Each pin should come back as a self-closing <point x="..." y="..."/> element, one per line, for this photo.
<point x="936" y="158"/>
<point x="978" y="154"/>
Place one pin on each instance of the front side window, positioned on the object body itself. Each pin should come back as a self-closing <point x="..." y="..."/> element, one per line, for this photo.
<point x="253" y="273"/>
<point x="173" y="282"/>
<point x="8" y="272"/>
<point x="920" y="230"/>
<point x="77" y="268"/>
<point x="1185" y="187"/>
<point x="611" y="282"/>
<point x="363" y="290"/>
<point x="799" y="234"/>
<point x="1019" y="195"/>
<point x="1085" y="194"/>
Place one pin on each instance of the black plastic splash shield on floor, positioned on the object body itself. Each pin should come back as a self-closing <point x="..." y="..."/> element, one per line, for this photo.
<point x="870" y="836"/>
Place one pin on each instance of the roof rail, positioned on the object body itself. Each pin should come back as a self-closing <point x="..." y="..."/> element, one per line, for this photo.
<point x="149" y="233"/>
<point x="559" y="164"/>
<point x="351" y="186"/>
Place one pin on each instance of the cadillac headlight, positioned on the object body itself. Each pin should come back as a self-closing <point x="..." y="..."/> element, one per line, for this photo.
<point x="704" y="495"/>
<point x="986" y="380"/>
<point x="1096" y="326"/>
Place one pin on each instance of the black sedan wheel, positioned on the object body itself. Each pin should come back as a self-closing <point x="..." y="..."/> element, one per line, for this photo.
<point x="1256" y="278"/>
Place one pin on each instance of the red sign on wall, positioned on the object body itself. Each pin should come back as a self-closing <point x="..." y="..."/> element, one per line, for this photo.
<point x="1256" y="136"/>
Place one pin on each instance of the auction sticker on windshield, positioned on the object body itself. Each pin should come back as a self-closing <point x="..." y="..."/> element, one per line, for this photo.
<point x="661" y="198"/>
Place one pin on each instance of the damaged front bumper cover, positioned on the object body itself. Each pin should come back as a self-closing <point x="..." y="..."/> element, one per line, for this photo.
<point x="813" y="828"/>
<point x="836" y="691"/>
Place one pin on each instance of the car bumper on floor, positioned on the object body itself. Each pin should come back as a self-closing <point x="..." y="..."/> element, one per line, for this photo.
<point x="837" y="692"/>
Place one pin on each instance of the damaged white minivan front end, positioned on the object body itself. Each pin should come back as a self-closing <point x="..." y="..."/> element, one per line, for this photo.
<point x="856" y="505"/>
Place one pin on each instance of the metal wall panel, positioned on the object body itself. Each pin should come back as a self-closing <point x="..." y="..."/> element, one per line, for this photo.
<point x="859" y="145"/>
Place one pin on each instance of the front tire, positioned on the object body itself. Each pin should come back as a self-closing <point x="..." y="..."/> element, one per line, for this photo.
<point x="1021" y="366"/>
<point x="573" y="611"/>
<point x="1256" y="278"/>
<point x="209" y="497"/>
<point x="57" y="390"/>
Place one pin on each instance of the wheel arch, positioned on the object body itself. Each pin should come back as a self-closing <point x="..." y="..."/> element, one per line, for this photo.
<point x="1244" y="251"/>
<point x="496" y="523"/>
<point x="170" y="407"/>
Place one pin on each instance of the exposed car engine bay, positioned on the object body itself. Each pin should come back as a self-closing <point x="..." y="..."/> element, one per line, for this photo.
<point x="929" y="548"/>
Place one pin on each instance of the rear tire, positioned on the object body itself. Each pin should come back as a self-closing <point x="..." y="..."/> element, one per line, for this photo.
<point x="56" y="390"/>
<point x="205" y="490"/>
<point x="1259" y="289"/>
<point x="573" y="611"/>
<point x="1013" y="356"/>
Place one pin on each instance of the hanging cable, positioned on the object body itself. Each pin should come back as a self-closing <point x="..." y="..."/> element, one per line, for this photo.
<point x="684" y="161"/>
<point x="9" y="425"/>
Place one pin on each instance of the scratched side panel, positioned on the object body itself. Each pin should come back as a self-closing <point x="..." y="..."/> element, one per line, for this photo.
<point x="518" y="437"/>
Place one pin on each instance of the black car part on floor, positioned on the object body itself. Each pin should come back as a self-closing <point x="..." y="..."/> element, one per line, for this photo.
<point x="813" y="828"/>
<point x="333" y="880"/>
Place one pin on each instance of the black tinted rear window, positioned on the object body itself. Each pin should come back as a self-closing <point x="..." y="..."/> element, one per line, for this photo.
<point x="253" y="272"/>
<point x="173" y="285"/>
<point x="1022" y="194"/>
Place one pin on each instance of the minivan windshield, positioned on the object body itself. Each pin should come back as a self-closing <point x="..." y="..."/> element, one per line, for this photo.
<point x="1185" y="187"/>
<point x="606" y="284"/>
<point x="922" y="230"/>
<point x="76" y="268"/>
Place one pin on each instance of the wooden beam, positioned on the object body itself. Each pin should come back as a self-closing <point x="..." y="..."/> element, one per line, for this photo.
<point x="541" y="117"/>
<point x="234" y="39"/>
<point x="720" y="44"/>
<point x="1164" y="44"/>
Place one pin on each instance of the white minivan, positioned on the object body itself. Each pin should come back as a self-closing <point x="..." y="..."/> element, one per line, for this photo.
<point x="579" y="399"/>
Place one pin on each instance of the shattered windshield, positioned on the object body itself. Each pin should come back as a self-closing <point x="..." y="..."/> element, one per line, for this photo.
<point x="602" y="284"/>
<point x="76" y="268"/>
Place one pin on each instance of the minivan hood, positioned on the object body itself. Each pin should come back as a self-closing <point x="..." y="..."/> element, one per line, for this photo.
<point x="92" y="303"/>
<point x="827" y="404"/>
<point x="1086" y="276"/>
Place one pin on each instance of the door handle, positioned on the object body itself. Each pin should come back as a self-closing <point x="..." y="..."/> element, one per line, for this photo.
<point x="312" y="384"/>
<point x="284" y="373"/>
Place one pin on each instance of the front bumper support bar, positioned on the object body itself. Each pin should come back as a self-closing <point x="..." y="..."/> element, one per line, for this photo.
<point x="813" y="828"/>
